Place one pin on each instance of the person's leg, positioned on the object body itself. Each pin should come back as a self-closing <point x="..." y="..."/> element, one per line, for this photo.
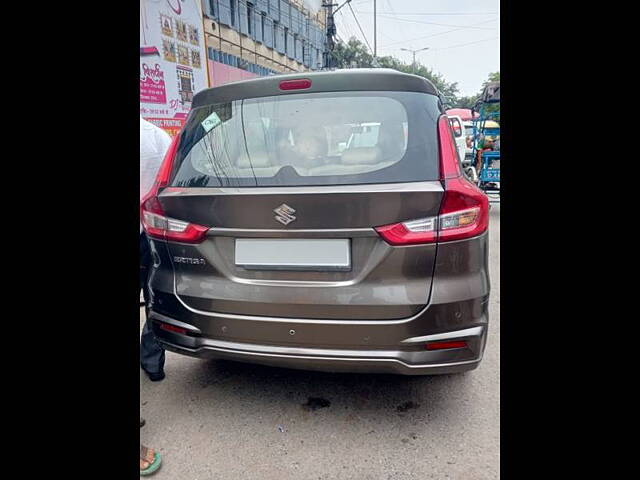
<point x="150" y="460"/>
<point x="151" y="352"/>
<point x="479" y="162"/>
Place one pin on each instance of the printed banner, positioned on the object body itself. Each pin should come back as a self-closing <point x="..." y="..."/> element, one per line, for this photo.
<point x="172" y="65"/>
<point x="170" y="125"/>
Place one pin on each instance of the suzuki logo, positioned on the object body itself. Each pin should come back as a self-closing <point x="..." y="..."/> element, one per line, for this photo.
<point x="284" y="214"/>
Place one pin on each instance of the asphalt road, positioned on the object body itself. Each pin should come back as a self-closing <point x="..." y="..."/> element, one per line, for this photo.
<point x="225" y="420"/>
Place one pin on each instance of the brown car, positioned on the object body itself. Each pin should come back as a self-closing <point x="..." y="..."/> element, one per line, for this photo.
<point x="320" y="221"/>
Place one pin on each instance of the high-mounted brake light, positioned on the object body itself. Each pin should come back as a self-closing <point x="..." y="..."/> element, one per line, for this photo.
<point x="464" y="211"/>
<point x="154" y="220"/>
<point x="298" y="84"/>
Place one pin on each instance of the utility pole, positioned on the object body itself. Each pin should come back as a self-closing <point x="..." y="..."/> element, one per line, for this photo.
<point x="375" y="43"/>
<point x="331" y="32"/>
<point x="413" y="65"/>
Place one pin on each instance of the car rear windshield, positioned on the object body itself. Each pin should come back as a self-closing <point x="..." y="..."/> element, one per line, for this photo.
<point x="336" y="138"/>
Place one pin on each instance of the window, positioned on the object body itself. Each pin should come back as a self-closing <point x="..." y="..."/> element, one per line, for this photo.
<point x="274" y="10"/>
<point x="298" y="47"/>
<point x="250" y="19"/>
<point x="332" y="138"/>
<point x="268" y="35"/>
<point x="224" y="12"/>
<point x="279" y="38"/>
<point x="285" y="17"/>
<point x="287" y="45"/>
<point x="456" y="127"/>
<point x="232" y="6"/>
<point x="275" y="35"/>
<point x="213" y="8"/>
<point x="365" y="135"/>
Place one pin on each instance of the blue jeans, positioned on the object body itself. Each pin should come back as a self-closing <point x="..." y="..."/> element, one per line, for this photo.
<point x="151" y="352"/>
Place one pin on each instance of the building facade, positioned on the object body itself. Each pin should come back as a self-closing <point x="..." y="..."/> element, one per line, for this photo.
<point x="248" y="38"/>
<point x="189" y="45"/>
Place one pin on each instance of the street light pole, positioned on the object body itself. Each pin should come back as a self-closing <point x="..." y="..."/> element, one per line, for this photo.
<point x="375" y="43"/>
<point x="413" y="65"/>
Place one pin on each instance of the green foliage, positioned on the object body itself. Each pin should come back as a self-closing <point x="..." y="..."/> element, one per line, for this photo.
<point x="493" y="77"/>
<point x="466" y="102"/>
<point x="355" y="54"/>
<point x="495" y="107"/>
<point x="352" y="54"/>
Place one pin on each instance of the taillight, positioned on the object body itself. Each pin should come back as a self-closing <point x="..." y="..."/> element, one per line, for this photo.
<point x="410" y="233"/>
<point x="165" y="228"/>
<point x="464" y="211"/>
<point x="156" y="224"/>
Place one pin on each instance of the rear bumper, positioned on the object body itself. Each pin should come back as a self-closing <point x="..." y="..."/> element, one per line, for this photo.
<point x="408" y="358"/>
<point x="458" y="309"/>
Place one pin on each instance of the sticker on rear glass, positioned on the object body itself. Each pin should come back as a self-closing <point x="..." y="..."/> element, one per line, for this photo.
<point x="211" y="122"/>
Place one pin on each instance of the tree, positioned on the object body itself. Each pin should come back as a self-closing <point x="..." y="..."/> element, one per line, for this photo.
<point x="449" y="90"/>
<point x="493" y="77"/>
<point x="354" y="53"/>
<point x="468" y="102"/>
<point x="494" y="107"/>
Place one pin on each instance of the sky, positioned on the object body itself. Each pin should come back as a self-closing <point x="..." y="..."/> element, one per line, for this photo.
<point x="463" y="36"/>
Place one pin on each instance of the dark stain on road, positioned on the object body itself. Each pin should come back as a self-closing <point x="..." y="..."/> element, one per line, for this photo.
<point x="406" y="406"/>
<point x="314" y="403"/>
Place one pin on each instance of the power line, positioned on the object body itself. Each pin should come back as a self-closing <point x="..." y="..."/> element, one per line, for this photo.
<point x="440" y="13"/>
<point x="436" y="34"/>
<point x="358" y="23"/>
<point x="345" y="24"/>
<point x="393" y="12"/>
<point x="433" y="23"/>
<point x="465" y="44"/>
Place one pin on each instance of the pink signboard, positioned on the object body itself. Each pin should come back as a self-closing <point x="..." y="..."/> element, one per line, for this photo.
<point x="152" y="88"/>
<point x="219" y="74"/>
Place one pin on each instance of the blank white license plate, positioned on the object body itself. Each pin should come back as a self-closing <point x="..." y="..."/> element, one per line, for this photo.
<point x="293" y="253"/>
